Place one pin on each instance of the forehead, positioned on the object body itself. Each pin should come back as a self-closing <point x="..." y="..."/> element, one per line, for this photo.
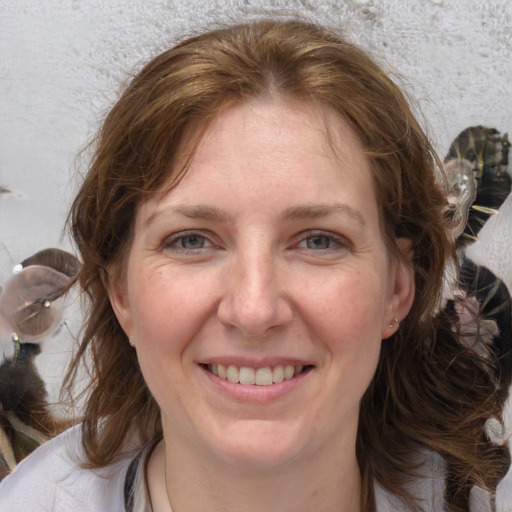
<point x="275" y="125"/>
<point x="287" y="147"/>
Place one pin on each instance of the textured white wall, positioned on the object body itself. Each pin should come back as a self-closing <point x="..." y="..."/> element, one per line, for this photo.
<point x="62" y="62"/>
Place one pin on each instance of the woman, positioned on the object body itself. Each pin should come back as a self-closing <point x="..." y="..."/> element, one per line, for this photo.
<point x="264" y="245"/>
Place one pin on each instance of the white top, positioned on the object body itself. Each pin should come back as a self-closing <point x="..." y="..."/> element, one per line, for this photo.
<point x="51" y="480"/>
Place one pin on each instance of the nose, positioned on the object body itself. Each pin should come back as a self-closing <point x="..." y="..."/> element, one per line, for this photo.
<point x="254" y="301"/>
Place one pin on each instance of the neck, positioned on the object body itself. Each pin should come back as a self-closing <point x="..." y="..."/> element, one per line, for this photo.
<point x="194" y="484"/>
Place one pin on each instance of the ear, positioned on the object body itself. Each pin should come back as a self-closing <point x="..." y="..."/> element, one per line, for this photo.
<point x="118" y="296"/>
<point x="401" y="289"/>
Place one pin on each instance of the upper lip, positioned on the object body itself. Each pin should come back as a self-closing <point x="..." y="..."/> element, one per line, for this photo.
<point x="256" y="363"/>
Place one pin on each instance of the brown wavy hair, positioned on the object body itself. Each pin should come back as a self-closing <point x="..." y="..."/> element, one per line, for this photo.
<point x="428" y="392"/>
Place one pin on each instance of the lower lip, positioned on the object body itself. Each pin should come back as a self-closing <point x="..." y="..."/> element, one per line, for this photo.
<point x="254" y="393"/>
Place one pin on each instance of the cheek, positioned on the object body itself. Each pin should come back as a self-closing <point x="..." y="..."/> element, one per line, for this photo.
<point x="351" y="306"/>
<point x="168" y="312"/>
<point x="347" y="319"/>
<point x="163" y="327"/>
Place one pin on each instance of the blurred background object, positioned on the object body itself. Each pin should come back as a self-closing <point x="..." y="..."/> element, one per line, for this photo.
<point x="31" y="310"/>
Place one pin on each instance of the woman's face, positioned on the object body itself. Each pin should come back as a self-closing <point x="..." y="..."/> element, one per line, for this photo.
<point x="265" y="265"/>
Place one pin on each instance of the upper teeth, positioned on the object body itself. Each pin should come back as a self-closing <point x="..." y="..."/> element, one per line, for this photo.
<point x="259" y="376"/>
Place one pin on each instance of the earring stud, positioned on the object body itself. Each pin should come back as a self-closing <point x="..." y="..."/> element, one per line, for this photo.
<point x="394" y="323"/>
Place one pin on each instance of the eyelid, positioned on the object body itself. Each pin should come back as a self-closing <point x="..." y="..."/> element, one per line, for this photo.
<point x="339" y="240"/>
<point x="169" y="241"/>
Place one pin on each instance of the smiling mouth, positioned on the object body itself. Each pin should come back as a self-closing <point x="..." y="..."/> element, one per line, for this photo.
<point x="248" y="376"/>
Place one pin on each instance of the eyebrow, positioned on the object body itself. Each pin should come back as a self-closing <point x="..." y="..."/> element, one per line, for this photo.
<point x="322" y="210"/>
<point x="198" y="211"/>
<point x="205" y="212"/>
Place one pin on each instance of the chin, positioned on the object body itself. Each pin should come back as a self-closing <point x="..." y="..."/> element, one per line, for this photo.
<point x="260" y="445"/>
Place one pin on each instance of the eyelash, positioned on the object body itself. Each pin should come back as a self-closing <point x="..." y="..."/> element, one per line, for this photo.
<point x="334" y="242"/>
<point x="172" y="241"/>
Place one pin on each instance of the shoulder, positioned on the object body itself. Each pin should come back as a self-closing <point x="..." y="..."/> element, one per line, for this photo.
<point x="504" y="490"/>
<point x="51" y="479"/>
<point x="429" y="488"/>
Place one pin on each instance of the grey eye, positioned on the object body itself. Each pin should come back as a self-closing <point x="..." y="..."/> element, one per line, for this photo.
<point x="192" y="242"/>
<point x="318" y="242"/>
